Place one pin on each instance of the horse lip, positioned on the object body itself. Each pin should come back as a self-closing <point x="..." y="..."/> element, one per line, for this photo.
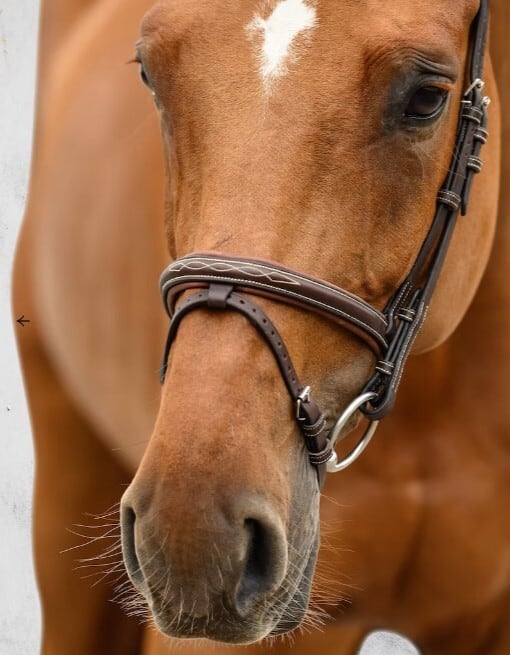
<point x="232" y="627"/>
<point x="287" y="624"/>
<point x="193" y="628"/>
<point x="222" y="628"/>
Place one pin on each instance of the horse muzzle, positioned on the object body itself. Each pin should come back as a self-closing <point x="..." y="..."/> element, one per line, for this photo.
<point x="224" y="574"/>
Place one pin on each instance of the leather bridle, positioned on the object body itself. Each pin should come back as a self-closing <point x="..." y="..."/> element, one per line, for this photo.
<point x="223" y="282"/>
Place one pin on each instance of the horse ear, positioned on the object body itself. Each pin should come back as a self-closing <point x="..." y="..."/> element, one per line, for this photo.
<point x="387" y="643"/>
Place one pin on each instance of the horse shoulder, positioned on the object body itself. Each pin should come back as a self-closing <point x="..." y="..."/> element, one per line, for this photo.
<point x="92" y="240"/>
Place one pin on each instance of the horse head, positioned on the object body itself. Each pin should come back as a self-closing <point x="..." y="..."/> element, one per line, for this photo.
<point x="314" y="134"/>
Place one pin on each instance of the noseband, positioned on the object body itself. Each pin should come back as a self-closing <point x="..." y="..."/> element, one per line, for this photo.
<point x="224" y="281"/>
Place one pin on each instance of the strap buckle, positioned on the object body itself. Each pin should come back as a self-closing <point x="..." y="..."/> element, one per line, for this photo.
<point x="303" y="397"/>
<point x="477" y="84"/>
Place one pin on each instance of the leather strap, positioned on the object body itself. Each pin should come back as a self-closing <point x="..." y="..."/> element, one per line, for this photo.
<point x="278" y="283"/>
<point x="407" y="309"/>
<point x="309" y="417"/>
<point x="479" y="40"/>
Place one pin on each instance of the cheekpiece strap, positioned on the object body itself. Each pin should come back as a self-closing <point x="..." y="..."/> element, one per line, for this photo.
<point x="407" y="309"/>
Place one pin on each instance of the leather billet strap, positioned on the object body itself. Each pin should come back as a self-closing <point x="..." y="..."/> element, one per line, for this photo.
<point x="222" y="282"/>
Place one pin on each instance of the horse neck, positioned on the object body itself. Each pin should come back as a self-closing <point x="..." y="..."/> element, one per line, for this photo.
<point x="480" y="350"/>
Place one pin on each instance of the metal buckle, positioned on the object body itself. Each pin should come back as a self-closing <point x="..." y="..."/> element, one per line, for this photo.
<point x="304" y="397"/>
<point x="478" y="83"/>
<point x="335" y="465"/>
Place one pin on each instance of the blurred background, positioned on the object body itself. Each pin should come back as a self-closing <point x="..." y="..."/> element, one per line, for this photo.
<point x="19" y="609"/>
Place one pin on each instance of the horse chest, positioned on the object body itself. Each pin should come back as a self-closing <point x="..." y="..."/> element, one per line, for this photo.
<point x="400" y="540"/>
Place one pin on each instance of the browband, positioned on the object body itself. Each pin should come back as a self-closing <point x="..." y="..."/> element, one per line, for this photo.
<point x="223" y="281"/>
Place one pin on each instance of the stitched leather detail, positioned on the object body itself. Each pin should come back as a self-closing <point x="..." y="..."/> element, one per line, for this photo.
<point x="222" y="267"/>
<point x="450" y="199"/>
<point x="475" y="164"/>
<point x="277" y="283"/>
<point x="322" y="458"/>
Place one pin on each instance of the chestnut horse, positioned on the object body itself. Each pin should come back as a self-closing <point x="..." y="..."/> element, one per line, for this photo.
<point x="315" y="134"/>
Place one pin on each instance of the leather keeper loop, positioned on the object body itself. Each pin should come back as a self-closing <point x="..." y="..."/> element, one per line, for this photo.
<point x="315" y="429"/>
<point x="450" y="199"/>
<point x="475" y="163"/>
<point x="406" y="314"/>
<point x="473" y="114"/>
<point x="481" y="134"/>
<point x="386" y="368"/>
<point x="218" y="295"/>
<point x="320" y="459"/>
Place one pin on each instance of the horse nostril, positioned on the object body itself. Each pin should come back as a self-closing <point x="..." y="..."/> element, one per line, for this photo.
<point x="266" y="564"/>
<point x="127" y="521"/>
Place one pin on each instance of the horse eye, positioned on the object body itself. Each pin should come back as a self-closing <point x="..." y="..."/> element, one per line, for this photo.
<point x="427" y="102"/>
<point x="143" y="76"/>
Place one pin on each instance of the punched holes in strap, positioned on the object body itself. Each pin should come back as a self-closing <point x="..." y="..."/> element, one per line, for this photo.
<point x="311" y="420"/>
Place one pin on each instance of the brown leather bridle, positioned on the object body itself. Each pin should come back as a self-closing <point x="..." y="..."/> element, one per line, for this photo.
<point x="224" y="282"/>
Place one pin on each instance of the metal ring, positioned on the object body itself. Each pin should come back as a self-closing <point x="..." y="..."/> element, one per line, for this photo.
<point x="335" y="465"/>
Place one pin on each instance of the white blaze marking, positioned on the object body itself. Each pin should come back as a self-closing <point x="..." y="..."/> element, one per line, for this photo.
<point x="289" y="19"/>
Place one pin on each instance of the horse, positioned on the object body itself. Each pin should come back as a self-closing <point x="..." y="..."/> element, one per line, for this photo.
<point x="310" y="137"/>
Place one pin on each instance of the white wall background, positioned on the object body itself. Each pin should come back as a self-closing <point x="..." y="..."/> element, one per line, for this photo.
<point x="19" y="609"/>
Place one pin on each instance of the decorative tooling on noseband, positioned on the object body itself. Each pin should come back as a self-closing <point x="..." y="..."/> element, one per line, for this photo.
<point x="272" y="280"/>
<point x="231" y="267"/>
<point x="224" y="282"/>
